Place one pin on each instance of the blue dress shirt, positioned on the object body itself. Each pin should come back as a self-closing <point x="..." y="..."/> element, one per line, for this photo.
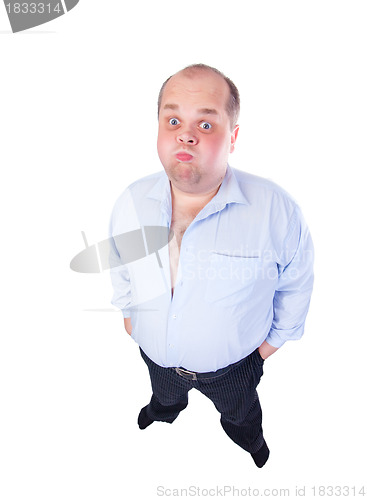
<point x="245" y="273"/>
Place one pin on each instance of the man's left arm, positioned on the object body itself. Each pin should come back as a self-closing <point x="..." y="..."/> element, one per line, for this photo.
<point x="293" y="293"/>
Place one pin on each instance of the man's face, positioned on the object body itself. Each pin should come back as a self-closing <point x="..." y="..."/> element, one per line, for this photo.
<point x="194" y="135"/>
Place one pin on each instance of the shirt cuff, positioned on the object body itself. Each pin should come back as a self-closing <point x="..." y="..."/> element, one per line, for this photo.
<point x="274" y="339"/>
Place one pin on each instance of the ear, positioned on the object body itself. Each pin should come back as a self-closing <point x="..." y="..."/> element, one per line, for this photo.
<point x="234" y="137"/>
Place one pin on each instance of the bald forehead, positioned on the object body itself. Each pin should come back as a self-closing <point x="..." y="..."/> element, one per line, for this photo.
<point x="195" y="80"/>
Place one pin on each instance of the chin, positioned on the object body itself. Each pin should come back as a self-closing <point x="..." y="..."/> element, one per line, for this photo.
<point x="182" y="172"/>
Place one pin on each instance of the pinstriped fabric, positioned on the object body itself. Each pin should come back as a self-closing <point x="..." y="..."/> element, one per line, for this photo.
<point x="233" y="394"/>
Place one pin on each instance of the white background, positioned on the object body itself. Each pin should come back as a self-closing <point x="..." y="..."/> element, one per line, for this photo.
<point x="77" y="125"/>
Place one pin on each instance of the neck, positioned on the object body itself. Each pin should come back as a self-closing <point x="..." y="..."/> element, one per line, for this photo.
<point x="191" y="200"/>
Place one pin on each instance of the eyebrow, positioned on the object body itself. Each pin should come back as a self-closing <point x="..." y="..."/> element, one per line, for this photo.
<point x="170" y="106"/>
<point x="202" y="111"/>
<point x="208" y="111"/>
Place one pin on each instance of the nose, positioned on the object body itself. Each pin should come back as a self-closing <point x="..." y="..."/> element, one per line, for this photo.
<point x="187" y="138"/>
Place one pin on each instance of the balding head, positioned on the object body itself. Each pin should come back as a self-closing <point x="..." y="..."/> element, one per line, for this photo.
<point x="196" y="70"/>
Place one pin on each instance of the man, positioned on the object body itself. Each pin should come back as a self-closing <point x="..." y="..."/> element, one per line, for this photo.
<point x="232" y="284"/>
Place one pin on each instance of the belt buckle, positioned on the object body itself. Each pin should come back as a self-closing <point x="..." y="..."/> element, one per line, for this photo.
<point x="183" y="372"/>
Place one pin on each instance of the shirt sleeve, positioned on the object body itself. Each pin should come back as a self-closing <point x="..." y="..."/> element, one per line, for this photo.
<point x="123" y="215"/>
<point x="120" y="282"/>
<point x="295" y="281"/>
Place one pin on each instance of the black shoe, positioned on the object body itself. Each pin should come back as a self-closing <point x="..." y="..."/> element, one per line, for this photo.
<point x="143" y="419"/>
<point x="260" y="457"/>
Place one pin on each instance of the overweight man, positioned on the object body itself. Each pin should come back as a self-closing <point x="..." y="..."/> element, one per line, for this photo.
<point x="232" y="280"/>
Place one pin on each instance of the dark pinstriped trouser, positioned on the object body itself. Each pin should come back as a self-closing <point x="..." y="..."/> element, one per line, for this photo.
<point x="233" y="393"/>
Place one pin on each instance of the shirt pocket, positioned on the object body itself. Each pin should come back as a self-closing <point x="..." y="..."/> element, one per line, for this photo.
<point x="230" y="278"/>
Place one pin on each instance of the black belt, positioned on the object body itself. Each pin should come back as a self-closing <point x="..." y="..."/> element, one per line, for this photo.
<point x="189" y="375"/>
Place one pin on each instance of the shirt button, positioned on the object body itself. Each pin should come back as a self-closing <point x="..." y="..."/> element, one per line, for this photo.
<point x="174" y="316"/>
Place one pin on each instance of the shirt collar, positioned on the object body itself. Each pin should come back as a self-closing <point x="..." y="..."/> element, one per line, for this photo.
<point x="161" y="190"/>
<point x="229" y="192"/>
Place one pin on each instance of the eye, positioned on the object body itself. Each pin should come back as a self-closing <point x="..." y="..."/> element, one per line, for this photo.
<point x="173" y="121"/>
<point x="205" y="126"/>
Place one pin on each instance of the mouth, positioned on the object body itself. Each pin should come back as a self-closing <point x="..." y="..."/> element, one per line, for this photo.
<point x="184" y="157"/>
